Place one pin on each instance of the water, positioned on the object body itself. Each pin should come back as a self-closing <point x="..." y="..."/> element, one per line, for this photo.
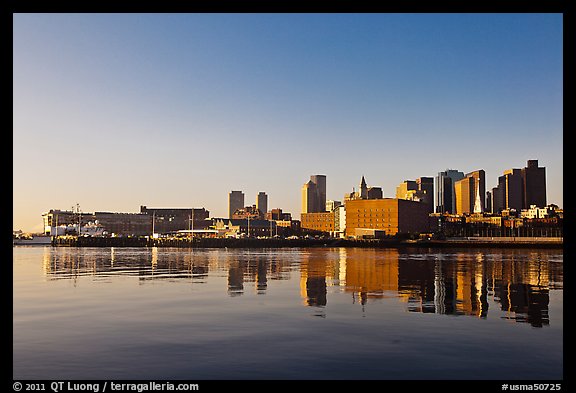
<point x="323" y="313"/>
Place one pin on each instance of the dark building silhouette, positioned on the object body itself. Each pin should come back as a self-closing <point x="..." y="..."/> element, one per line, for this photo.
<point x="529" y="303"/>
<point x="426" y="184"/>
<point x="176" y="219"/>
<point x="534" y="185"/>
<point x="374" y="193"/>
<point x="509" y="192"/>
<point x="316" y="291"/>
<point x="236" y="279"/>
<point x="445" y="192"/>
<point x="416" y="280"/>
<point x="235" y="202"/>
<point x="313" y="281"/>
<point x="520" y="188"/>
<point x="261" y="280"/>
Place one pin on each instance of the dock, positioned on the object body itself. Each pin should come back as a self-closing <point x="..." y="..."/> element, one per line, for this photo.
<point x="189" y="242"/>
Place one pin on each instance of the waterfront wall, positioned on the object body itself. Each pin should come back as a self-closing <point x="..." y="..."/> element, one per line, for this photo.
<point x="72" y="241"/>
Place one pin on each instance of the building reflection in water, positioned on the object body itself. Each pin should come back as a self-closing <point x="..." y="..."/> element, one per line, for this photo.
<point x="454" y="283"/>
<point x="516" y="282"/>
<point x="313" y="270"/>
<point x="261" y="280"/>
<point x="370" y="275"/>
<point x="253" y="269"/>
<point x="457" y="283"/>
<point x="146" y="263"/>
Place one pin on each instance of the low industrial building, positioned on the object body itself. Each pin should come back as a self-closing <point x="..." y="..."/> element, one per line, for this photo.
<point x="63" y="222"/>
<point x="245" y="227"/>
<point x="391" y="215"/>
<point x="318" y="222"/>
<point x="175" y="219"/>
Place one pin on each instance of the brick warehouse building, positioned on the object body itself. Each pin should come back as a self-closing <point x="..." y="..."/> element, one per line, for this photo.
<point x="390" y="215"/>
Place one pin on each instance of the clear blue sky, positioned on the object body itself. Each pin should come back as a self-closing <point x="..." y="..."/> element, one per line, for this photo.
<point x="114" y="111"/>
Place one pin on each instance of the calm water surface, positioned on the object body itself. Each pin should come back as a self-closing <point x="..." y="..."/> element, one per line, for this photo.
<point x="330" y="313"/>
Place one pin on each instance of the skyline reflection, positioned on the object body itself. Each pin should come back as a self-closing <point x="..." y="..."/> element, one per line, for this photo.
<point x="448" y="282"/>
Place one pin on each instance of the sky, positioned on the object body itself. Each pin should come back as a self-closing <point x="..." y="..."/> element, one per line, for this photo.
<point x="115" y="111"/>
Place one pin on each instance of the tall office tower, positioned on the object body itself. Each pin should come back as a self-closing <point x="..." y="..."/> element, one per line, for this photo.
<point x="479" y="190"/>
<point x="262" y="202"/>
<point x="309" y="197"/>
<point x="320" y="181"/>
<point x="471" y="193"/>
<point x="534" y="185"/>
<point x="509" y="191"/>
<point x="445" y="190"/>
<point x="235" y="201"/>
<point x="513" y="189"/>
<point x="488" y="205"/>
<point x="314" y="195"/>
<point x="498" y="195"/>
<point x="464" y="192"/>
<point x="426" y="184"/>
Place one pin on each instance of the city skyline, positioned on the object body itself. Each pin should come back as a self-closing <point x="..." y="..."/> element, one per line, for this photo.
<point x="117" y="111"/>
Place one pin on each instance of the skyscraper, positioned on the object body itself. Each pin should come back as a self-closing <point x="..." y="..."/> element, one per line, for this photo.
<point x="534" y="185"/>
<point x="235" y="201"/>
<point x="513" y="189"/>
<point x="464" y="192"/>
<point x="314" y="195"/>
<point x="470" y="193"/>
<point x="309" y="197"/>
<point x="488" y="206"/>
<point x="508" y="193"/>
<point x="479" y="196"/>
<point x="426" y="184"/>
<point x="445" y="190"/>
<point x="262" y="202"/>
<point x="421" y="190"/>
<point x="498" y="195"/>
<point x="320" y="181"/>
<point x="519" y="188"/>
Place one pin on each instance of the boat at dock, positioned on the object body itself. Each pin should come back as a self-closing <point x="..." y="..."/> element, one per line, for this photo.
<point x="32" y="241"/>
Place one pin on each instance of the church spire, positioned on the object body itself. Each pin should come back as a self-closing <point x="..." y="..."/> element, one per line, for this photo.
<point x="363" y="189"/>
<point x="477" y="200"/>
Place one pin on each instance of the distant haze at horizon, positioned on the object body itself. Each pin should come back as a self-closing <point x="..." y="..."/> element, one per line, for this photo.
<point x="115" y="111"/>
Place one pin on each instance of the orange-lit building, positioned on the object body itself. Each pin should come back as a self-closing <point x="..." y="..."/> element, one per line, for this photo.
<point x="389" y="215"/>
<point x="471" y="193"/>
<point x="321" y="222"/>
<point x="371" y="277"/>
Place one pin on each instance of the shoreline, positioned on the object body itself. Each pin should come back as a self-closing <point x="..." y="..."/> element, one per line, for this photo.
<point x="471" y="242"/>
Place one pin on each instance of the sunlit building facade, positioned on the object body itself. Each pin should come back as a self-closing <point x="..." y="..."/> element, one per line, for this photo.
<point x="390" y="215"/>
<point x="318" y="222"/>
<point x="470" y="193"/>
<point x="314" y="195"/>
